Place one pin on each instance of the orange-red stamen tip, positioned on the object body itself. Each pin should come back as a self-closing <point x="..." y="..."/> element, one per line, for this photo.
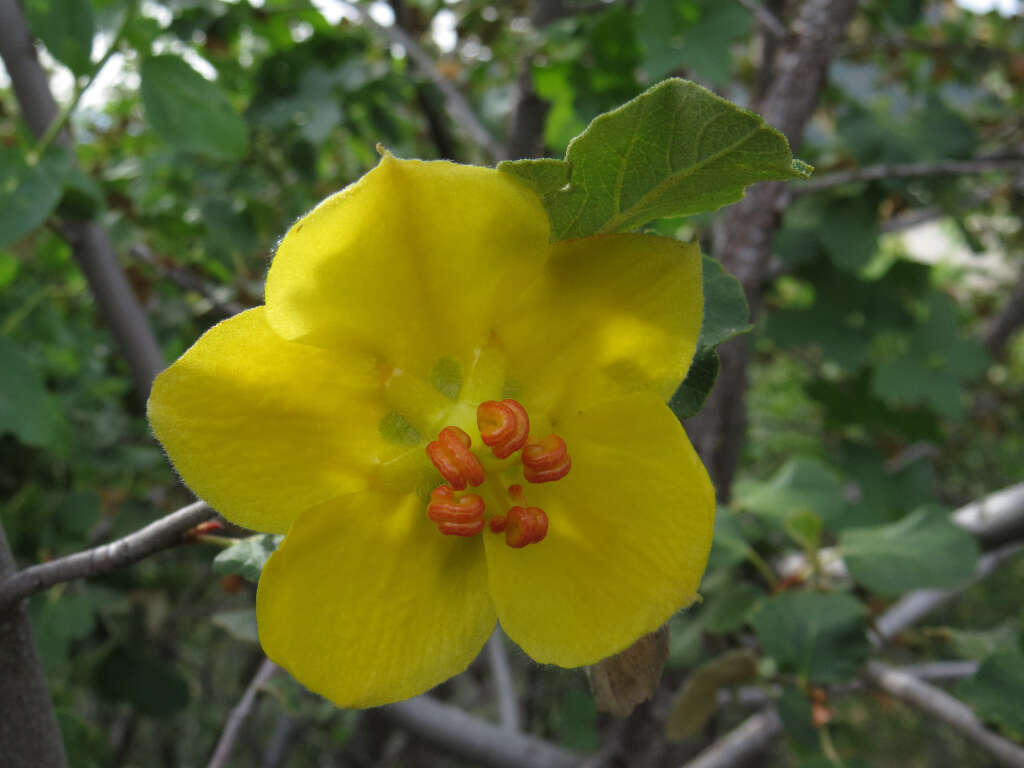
<point x="504" y="427"/>
<point x="546" y="460"/>
<point x="456" y="517"/>
<point x="516" y="491"/>
<point x="525" y="525"/>
<point x="498" y="523"/>
<point x="451" y="455"/>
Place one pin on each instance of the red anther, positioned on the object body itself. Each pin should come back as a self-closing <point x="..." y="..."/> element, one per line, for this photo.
<point x="546" y="460"/>
<point x="451" y="455"/>
<point x="498" y="523"/>
<point x="456" y="517"/>
<point x="526" y="525"/>
<point x="516" y="491"/>
<point x="203" y="528"/>
<point x="504" y="426"/>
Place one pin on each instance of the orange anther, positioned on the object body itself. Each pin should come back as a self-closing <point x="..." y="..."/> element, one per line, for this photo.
<point x="451" y="455"/>
<point x="546" y="460"/>
<point x="516" y="491"/>
<point x="456" y="517"/>
<point x="526" y="525"/>
<point x="504" y="426"/>
<point x="498" y="523"/>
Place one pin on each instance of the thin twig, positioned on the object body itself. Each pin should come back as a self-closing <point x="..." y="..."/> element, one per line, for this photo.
<point x="939" y="704"/>
<point x="233" y="726"/>
<point x="459" y="109"/>
<point x="504" y="684"/>
<point x="159" y="535"/>
<point x="768" y="19"/>
<point x="187" y="280"/>
<point x="907" y="171"/>
<point x="482" y="743"/>
<point x="746" y="740"/>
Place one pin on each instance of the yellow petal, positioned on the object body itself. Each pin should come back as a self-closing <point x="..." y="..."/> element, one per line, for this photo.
<point x="262" y="428"/>
<point x="629" y="533"/>
<point x="412" y="261"/>
<point x="610" y="316"/>
<point x="366" y="603"/>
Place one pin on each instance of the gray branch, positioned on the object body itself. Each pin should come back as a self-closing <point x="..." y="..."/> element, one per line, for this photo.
<point x="29" y="736"/>
<point x="489" y="745"/>
<point x="907" y="171"/>
<point x="939" y="704"/>
<point x="244" y="707"/>
<point x="768" y="19"/>
<point x="749" y="738"/>
<point x="89" y="242"/>
<point x="462" y="114"/>
<point x="504" y="684"/>
<point x="162" y="534"/>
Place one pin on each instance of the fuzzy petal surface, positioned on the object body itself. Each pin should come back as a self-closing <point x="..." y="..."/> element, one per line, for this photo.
<point x="629" y="533"/>
<point x="262" y="428"/>
<point x="412" y="261"/>
<point x="610" y="315"/>
<point x="366" y="603"/>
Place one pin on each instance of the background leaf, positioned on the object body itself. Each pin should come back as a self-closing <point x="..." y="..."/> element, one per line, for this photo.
<point x="923" y="550"/>
<point x="817" y="635"/>
<point x="26" y="409"/>
<point x="248" y="556"/>
<point x="994" y="692"/>
<point x="188" y="111"/>
<point x="28" y="193"/>
<point x="66" y="28"/>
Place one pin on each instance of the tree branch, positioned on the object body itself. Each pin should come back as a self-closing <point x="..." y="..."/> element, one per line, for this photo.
<point x="748" y="739"/>
<point x="489" y="745"/>
<point x="939" y="704"/>
<point x="29" y="736"/>
<point x="504" y="684"/>
<point x="743" y="234"/>
<point x="907" y="171"/>
<point x="1004" y="325"/>
<point x="768" y="19"/>
<point x="459" y="109"/>
<point x="233" y="726"/>
<point x="162" y="534"/>
<point x="89" y="242"/>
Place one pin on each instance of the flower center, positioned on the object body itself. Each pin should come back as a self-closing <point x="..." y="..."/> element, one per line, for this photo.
<point x="504" y="429"/>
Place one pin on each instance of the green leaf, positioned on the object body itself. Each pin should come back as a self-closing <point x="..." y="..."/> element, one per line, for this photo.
<point x="248" y="556"/>
<point x="188" y="111"/>
<point x="730" y="608"/>
<point x="979" y="643"/>
<point x="28" y="193"/>
<point x="923" y="550"/>
<point x="849" y="232"/>
<point x="675" y="150"/>
<point x="697" y="385"/>
<point x="240" y="624"/>
<point x="995" y="692"/>
<point x="66" y="28"/>
<point x="818" y="635"/>
<point x="26" y="408"/>
<point x="801" y="485"/>
<point x="697" y="700"/>
<point x="725" y="315"/>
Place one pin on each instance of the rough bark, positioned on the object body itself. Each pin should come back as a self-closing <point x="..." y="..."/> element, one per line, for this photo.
<point x="29" y="736"/>
<point x="743" y="234"/>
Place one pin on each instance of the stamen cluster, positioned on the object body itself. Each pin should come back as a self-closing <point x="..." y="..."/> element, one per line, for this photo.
<point x="505" y="429"/>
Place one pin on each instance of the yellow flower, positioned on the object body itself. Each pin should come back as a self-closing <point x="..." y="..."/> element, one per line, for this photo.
<point x="394" y="310"/>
